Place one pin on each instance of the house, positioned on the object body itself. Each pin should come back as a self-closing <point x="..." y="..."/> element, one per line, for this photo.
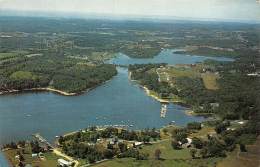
<point x="188" y="144"/>
<point x="241" y="122"/>
<point x="34" y="155"/>
<point x="41" y="155"/>
<point x="214" y="105"/>
<point x="136" y="144"/>
<point x="112" y="141"/>
<point x="64" y="163"/>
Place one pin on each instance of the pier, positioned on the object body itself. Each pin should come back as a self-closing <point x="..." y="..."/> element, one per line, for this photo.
<point x="163" y="110"/>
<point x="43" y="141"/>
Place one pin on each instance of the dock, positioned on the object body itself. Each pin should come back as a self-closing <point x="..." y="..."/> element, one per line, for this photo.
<point x="42" y="141"/>
<point x="163" y="110"/>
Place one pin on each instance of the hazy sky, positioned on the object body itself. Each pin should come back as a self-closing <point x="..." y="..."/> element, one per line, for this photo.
<point x="217" y="9"/>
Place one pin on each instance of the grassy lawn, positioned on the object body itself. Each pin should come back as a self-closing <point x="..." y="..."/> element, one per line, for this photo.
<point x="170" y="73"/>
<point x="203" y="132"/>
<point x="169" y="156"/>
<point x="167" y="74"/>
<point x="251" y="158"/>
<point x="7" y="56"/>
<point x="182" y="72"/>
<point x="12" y="54"/>
<point x="129" y="162"/>
<point x="210" y="80"/>
<point x="50" y="159"/>
<point x="167" y="151"/>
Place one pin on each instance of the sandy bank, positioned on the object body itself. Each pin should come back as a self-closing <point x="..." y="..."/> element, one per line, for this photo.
<point x="39" y="89"/>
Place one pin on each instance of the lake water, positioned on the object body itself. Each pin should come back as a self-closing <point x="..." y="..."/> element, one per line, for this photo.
<point x="118" y="101"/>
<point x="166" y="56"/>
<point x="3" y="161"/>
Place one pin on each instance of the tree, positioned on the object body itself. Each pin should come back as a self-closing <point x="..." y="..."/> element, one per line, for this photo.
<point x="93" y="128"/>
<point x="197" y="143"/>
<point x="61" y="139"/>
<point x="146" y="139"/>
<point x="157" y="154"/>
<point x="21" y="164"/>
<point x="215" y="148"/>
<point x="193" y="153"/>
<point x="35" y="147"/>
<point x="142" y="156"/>
<point x="175" y="145"/>
<point x="181" y="136"/>
<point x="91" y="158"/>
<point x="13" y="145"/>
<point x="194" y="126"/>
<point x="122" y="147"/>
<point x="242" y="147"/>
<point x="108" y="154"/>
<point x="203" y="152"/>
<point x="165" y="130"/>
<point x="21" y="158"/>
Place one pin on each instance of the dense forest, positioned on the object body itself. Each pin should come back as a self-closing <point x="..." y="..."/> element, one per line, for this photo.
<point x="70" y="75"/>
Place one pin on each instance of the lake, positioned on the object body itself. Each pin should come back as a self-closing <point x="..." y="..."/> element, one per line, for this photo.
<point x="119" y="101"/>
<point x="166" y="56"/>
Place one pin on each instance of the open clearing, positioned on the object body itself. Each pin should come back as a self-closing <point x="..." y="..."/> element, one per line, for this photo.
<point x="251" y="158"/>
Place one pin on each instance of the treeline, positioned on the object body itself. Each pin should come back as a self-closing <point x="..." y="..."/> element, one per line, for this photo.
<point x="139" y="51"/>
<point x="65" y="74"/>
<point x="92" y="135"/>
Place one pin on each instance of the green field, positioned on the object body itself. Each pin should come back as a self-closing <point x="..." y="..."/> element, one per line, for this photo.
<point x="50" y="159"/>
<point x="251" y="158"/>
<point x="210" y="81"/>
<point x="169" y="158"/>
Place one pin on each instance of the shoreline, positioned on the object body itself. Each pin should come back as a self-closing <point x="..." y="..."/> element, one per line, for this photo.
<point x="39" y="90"/>
<point x="147" y="91"/>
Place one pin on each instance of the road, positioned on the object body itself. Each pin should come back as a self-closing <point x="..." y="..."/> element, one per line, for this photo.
<point x="59" y="153"/>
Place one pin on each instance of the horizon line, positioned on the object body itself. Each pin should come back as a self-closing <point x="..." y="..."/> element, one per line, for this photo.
<point x="109" y="16"/>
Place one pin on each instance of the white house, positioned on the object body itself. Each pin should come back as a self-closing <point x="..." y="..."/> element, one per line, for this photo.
<point x="64" y="163"/>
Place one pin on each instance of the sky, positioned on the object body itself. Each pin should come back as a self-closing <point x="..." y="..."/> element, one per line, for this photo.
<point x="197" y="9"/>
